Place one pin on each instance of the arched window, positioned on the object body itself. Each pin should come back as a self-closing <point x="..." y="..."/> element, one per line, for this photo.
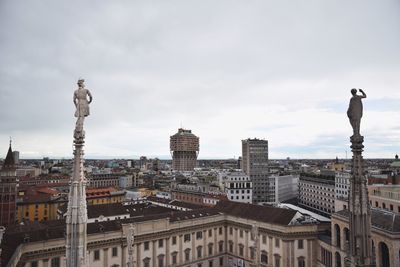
<point x="301" y="262"/>
<point x="264" y="257"/>
<point x="338" y="259"/>
<point x="384" y="251"/>
<point x="337" y="234"/>
<point x="346" y="234"/>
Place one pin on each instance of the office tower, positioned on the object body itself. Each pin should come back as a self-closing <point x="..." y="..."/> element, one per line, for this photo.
<point x="184" y="148"/>
<point x="255" y="164"/>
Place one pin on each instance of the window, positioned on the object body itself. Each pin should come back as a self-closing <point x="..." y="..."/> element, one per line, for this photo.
<point x="277" y="261"/>
<point x="301" y="262"/>
<point x="264" y="258"/>
<point x="199" y="235"/>
<point x="160" y="243"/>
<point x="96" y="255"/>
<point x="146" y="245"/>
<point x="161" y="261"/>
<point x="199" y="251"/>
<point x="55" y="262"/>
<point x="174" y="257"/>
<point x="220" y="230"/>
<point x="146" y="262"/>
<point x="186" y="238"/>
<point x="210" y="232"/>
<point x="264" y="239"/>
<point x="241" y="250"/>
<point x="277" y="242"/>
<point x="187" y="254"/>
<point x="221" y="261"/>
<point x="174" y="240"/>
<point x="210" y="263"/>
<point x="230" y="230"/>
<point x="383" y="205"/>
<point x="252" y="253"/>
<point x="391" y="207"/>
<point x="34" y="264"/>
<point x="115" y="251"/>
<point x="199" y="265"/>
<point x="231" y="247"/>
<point x="300" y="244"/>
<point x="210" y="249"/>
<point x="241" y="233"/>
<point x="221" y="246"/>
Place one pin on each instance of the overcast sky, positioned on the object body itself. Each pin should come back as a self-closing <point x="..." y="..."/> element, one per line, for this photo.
<point x="227" y="70"/>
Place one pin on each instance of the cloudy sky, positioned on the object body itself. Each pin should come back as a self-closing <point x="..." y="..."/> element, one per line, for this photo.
<point x="228" y="70"/>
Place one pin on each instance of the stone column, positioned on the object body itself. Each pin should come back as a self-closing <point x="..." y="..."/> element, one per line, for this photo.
<point x="153" y="253"/>
<point x="167" y="251"/>
<point x="235" y="243"/>
<point x="193" y="241"/>
<point x="123" y="255"/>
<point x="180" y="249"/>
<point x="285" y="253"/>
<point x="205" y="239"/>
<point x="246" y="244"/>
<point x="138" y="258"/>
<point x="105" y="257"/>
<point x="215" y="246"/>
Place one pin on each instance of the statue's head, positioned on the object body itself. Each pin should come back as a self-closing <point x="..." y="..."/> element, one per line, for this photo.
<point x="353" y="91"/>
<point x="80" y="82"/>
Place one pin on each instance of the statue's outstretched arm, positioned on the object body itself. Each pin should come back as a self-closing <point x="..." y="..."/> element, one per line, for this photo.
<point x="363" y="94"/>
<point x="75" y="98"/>
<point x="90" y="96"/>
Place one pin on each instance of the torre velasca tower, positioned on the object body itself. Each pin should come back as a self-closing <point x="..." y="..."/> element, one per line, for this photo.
<point x="184" y="148"/>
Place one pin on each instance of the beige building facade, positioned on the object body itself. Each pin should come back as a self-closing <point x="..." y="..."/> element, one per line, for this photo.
<point x="201" y="238"/>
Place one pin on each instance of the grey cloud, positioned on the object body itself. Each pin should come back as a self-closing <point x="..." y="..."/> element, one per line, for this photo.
<point x="152" y="65"/>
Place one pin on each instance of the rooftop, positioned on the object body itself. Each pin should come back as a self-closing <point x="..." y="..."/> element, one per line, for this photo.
<point x="381" y="219"/>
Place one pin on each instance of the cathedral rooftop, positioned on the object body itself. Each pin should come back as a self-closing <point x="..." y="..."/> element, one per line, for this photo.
<point x="381" y="219"/>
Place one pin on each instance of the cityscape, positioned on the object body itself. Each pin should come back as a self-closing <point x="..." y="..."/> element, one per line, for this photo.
<point x="287" y="178"/>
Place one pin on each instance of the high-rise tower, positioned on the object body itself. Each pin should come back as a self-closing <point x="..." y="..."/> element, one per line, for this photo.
<point x="255" y="165"/>
<point x="8" y="190"/>
<point x="76" y="251"/>
<point x="359" y="254"/>
<point x="184" y="148"/>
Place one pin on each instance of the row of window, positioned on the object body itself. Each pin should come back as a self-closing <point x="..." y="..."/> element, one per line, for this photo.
<point x="391" y="207"/>
<point x="186" y="238"/>
<point x="146" y="261"/>
<point x="54" y="262"/>
<point x="96" y="253"/>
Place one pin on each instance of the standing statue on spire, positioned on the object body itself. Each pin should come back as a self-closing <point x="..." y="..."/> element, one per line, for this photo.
<point x="355" y="110"/>
<point x="81" y="102"/>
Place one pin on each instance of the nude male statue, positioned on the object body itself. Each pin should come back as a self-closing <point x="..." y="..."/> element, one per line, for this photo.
<point x="81" y="102"/>
<point x="355" y="110"/>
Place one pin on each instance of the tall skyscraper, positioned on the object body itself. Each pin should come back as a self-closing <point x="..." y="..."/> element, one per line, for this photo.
<point x="8" y="190"/>
<point x="184" y="148"/>
<point x="255" y="164"/>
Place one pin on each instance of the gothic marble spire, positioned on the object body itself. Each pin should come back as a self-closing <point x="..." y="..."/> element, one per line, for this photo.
<point x="359" y="253"/>
<point x="76" y="220"/>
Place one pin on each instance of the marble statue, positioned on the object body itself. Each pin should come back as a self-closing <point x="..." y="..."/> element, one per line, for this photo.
<point x="81" y="102"/>
<point x="355" y="110"/>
